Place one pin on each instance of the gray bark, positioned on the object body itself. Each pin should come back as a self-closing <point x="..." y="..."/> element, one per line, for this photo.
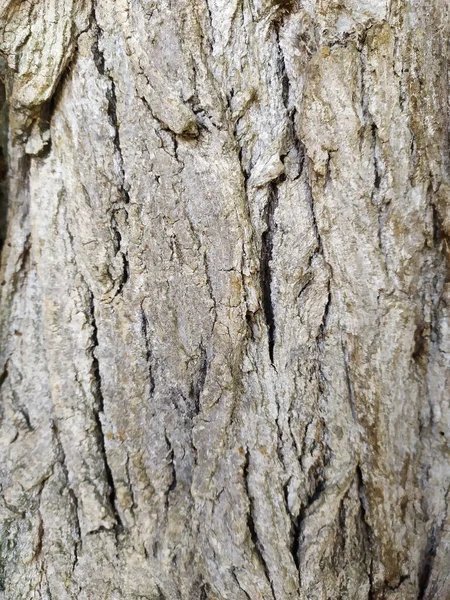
<point x="225" y="295"/>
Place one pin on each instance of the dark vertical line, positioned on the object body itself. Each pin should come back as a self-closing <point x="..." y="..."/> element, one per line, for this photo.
<point x="265" y="266"/>
<point x="99" y="408"/>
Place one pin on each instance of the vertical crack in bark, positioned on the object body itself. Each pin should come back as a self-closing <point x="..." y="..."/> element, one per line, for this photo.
<point x="310" y="198"/>
<point x="98" y="409"/>
<point x="368" y="121"/>
<point x="376" y="197"/>
<point x="4" y="375"/>
<point x="111" y="97"/>
<point x="319" y="250"/>
<point x="376" y="172"/>
<point x="199" y="382"/>
<point x="4" y="132"/>
<point x="233" y="573"/>
<point x="173" y="482"/>
<point x="290" y="110"/>
<point x="426" y="565"/>
<point x="72" y="495"/>
<point x="257" y="545"/>
<point x="148" y="351"/>
<point x="265" y="266"/>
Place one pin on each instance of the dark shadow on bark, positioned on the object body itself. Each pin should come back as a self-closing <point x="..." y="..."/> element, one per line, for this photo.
<point x="4" y="126"/>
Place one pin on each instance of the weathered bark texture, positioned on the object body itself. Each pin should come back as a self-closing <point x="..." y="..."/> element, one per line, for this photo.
<point x="225" y="285"/>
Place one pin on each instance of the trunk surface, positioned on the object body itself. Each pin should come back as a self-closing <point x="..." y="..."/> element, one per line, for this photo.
<point x="225" y="300"/>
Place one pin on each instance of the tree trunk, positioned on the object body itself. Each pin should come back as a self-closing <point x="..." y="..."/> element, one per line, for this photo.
<point x="225" y="304"/>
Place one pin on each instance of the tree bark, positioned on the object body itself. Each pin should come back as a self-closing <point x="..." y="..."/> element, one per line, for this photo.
<point x="225" y="295"/>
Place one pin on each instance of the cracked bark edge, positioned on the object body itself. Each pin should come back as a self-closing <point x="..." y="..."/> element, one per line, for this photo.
<point x="257" y="545"/>
<point x="97" y="411"/>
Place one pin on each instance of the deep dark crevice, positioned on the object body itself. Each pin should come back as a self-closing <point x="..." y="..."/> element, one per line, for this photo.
<point x="258" y="547"/>
<point x="281" y="67"/>
<point x="318" y="490"/>
<point x="198" y="384"/>
<point x="4" y="129"/>
<point x="112" y="114"/>
<point x="426" y="565"/>
<point x="101" y="529"/>
<point x="98" y="409"/>
<point x="97" y="54"/>
<point x="245" y="172"/>
<point x="111" y="98"/>
<point x="295" y="542"/>
<point x="377" y="177"/>
<point x="290" y="110"/>
<point x="148" y="351"/>
<point x="171" y="458"/>
<point x="376" y="198"/>
<point x="161" y="595"/>
<point x="326" y="312"/>
<point x="4" y="374"/>
<point x="233" y="573"/>
<point x="265" y="262"/>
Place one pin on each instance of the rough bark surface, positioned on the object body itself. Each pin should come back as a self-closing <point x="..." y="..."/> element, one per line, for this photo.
<point x="225" y="300"/>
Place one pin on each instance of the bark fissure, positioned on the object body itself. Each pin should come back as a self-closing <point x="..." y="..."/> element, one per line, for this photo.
<point x="173" y="473"/>
<point x="77" y="546"/>
<point x="251" y="525"/>
<point x="111" y="97"/>
<point x="99" y="410"/>
<point x="265" y="265"/>
<point x="148" y="351"/>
